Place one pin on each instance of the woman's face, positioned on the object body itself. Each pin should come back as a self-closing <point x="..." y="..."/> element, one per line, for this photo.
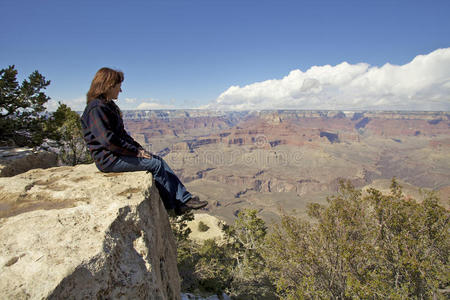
<point x="113" y="93"/>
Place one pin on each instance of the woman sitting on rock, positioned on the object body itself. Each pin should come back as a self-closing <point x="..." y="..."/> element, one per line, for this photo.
<point x="114" y="150"/>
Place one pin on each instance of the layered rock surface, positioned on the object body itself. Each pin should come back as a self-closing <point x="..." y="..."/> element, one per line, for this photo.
<point x="77" y="233"/>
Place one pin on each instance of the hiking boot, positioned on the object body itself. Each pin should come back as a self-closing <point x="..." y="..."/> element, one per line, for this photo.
<point x="193" y="203"/>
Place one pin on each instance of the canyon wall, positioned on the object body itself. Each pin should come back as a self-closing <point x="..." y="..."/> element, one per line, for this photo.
<point x="280" y="127"/>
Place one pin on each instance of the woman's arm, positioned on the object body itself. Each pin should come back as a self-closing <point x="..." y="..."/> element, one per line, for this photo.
<point x="130" y="139"/>
<point x="99" y="122"/>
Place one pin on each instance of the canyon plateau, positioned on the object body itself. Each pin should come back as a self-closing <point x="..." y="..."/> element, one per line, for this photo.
<point x="279" y="161"/>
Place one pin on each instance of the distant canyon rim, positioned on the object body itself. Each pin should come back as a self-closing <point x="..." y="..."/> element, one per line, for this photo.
<point x="279" y="161"/>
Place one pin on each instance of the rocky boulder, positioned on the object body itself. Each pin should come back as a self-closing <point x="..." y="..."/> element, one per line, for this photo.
<point x="15" y="160"/>
<point x="77" y="233"/>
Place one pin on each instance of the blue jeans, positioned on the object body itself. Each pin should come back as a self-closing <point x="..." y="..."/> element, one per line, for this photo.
<point x="171" y="190"/>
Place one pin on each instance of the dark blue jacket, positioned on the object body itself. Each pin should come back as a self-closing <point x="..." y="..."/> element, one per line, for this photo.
<point x="105" y="134"/>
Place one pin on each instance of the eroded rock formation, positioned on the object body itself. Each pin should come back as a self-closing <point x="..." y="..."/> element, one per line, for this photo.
<point x="14" y="161"/>
<point x="77" y="233"/>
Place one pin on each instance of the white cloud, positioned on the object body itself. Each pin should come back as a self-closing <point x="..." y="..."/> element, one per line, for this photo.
<point x="422" y="84"/>
<point x="77" y="104"/>
<point x="154" y="105"/>
<point x="51" y="105"/>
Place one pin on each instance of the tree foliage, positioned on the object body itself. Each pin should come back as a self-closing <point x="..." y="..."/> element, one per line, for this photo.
<point x="233" y="265"/>
<point x="245" y="239"/>
<point x="202" y="267"/>
<point x="22" y="108"/>
<point x="186" y="250"/>
<point x="24" y="121"/>
<point x="359" y="246"/>
<point x="64" y="126"/>
<point x="370" y="246"/>
<point x="202" y="227"/>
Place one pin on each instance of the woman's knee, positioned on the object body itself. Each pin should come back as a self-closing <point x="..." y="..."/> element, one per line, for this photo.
<point x="153" y="165"/>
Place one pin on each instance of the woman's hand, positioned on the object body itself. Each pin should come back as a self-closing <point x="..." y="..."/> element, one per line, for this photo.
<point x="144" y="154"/>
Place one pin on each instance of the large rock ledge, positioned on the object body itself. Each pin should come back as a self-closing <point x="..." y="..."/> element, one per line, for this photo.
<point x="77" y="233"/>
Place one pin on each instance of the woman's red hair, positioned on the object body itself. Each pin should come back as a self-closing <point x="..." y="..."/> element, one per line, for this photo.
<point x="103" y="81"/>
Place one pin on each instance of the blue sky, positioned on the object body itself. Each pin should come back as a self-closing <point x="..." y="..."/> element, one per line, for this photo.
<point x="190" y="53"/>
